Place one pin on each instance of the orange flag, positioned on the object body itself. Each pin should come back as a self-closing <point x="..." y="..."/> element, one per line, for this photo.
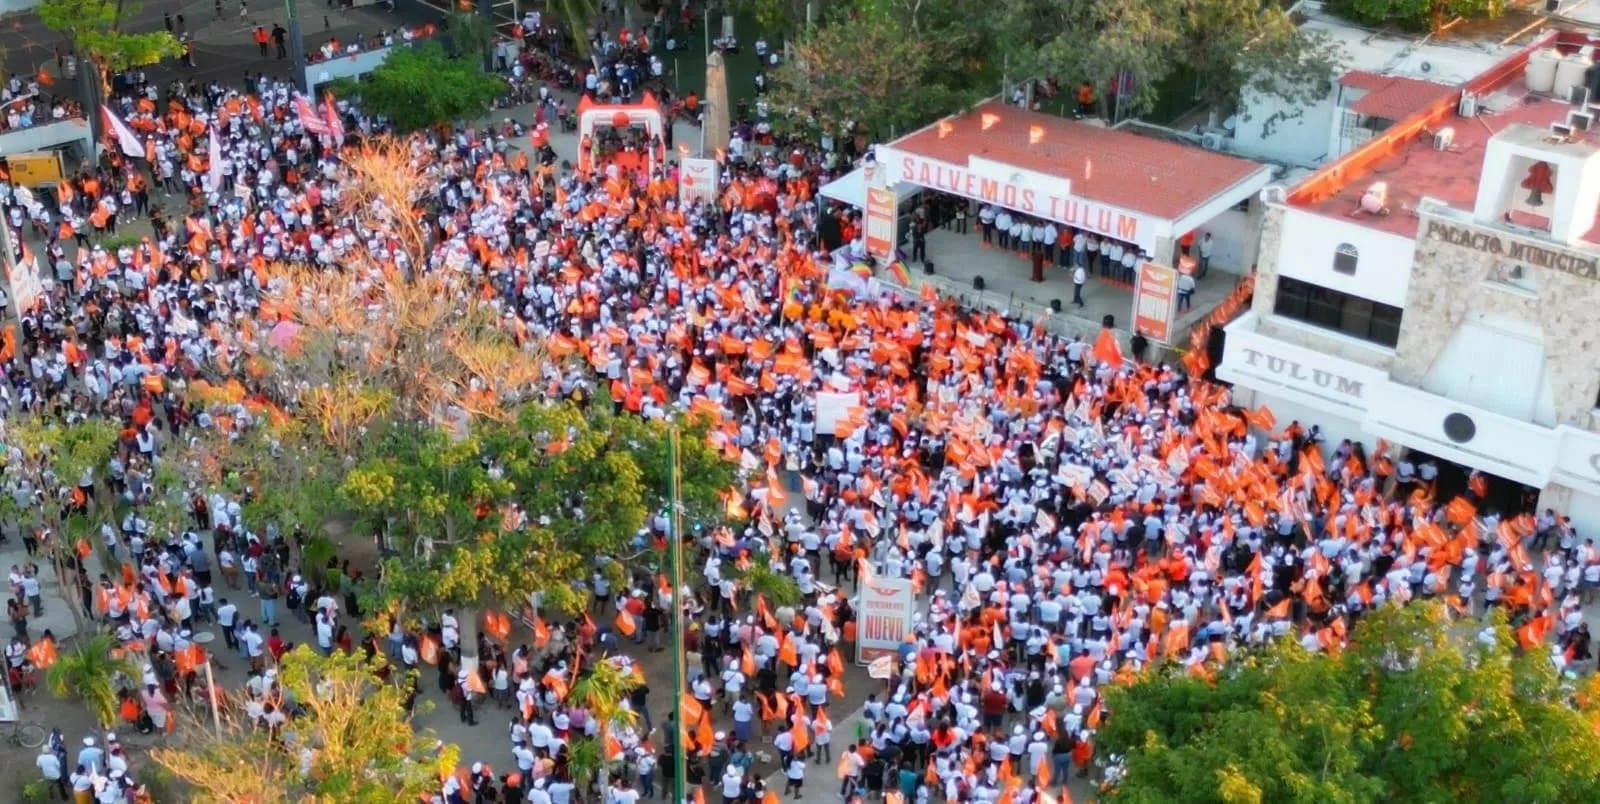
<point x="693" y="710"/>
<point x="42" y="653"/>
<point x="497" y="624"/>
<point x="777" y="498"/>
<point x="1106" y="349"/>
<point x="802" y="740"/>
<point x="705" y="737"/>
<point x="625" y="623"/>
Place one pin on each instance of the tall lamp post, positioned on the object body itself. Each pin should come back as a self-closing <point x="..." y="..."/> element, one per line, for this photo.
<point x="297" y="48"/>
<point x="675" y="553"/>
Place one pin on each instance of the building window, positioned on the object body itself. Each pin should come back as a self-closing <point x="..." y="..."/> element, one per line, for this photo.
<point x="1344" y="259"/>
<point x="1340" y="312"/>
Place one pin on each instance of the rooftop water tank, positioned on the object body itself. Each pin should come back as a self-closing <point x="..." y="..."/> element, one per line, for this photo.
<point x="1570" y="72"/>
<point x="1541" y="73"/>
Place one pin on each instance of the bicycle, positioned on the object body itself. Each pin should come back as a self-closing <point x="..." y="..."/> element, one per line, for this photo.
<point x="26" y="735"/>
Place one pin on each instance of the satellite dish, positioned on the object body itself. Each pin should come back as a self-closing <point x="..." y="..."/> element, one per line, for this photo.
<point x="1427" y="67"/>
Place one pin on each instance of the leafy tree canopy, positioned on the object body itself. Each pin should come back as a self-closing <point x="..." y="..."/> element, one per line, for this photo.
<point x="586" y="479"/>
<point x="889" y="65"/>
<point x="95" y="29"/>
<point x="1229" y="44"/>
<point x="1418" y="15"/>
<point x="364" y="747"/>
<point x="423" y="86"/>
<point x="1416" y="709"/>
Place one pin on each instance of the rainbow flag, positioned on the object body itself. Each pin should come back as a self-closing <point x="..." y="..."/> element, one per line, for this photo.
<point x="901" y="273"/>
<point x="791" y="289"/>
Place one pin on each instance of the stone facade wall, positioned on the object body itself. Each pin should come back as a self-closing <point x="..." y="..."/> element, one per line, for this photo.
<point x="1267" y="260"/>
<point x="1449" y="282"/>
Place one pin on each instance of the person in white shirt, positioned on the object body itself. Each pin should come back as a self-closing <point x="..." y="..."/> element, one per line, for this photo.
<point x="1002" y="226"/>
<point x="1079" y="278"/>
<point x="795" y="775"/>
<point x="50" y="768"/>
<point x="732" y="784"/>
<point x="1112" y="251"/>
<point x="1185" y="292"/>
<point x="1205" y="255"/>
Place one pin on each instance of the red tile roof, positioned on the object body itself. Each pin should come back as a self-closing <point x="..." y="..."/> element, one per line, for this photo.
<point x="1363" y="79"/>
<point x="1120" y="168"/>
<point x="1403" y="156"/>
<point x="1396" y="97"/>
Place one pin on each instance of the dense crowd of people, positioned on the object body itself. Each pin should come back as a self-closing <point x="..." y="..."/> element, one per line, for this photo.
<point x="1069" y="518"/>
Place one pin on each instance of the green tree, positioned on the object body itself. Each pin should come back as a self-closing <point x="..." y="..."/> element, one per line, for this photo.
<point x="585" y="479"/>
<point x="1255" y="48"/>
<point x="573" y="17"/>
<point x="603" y="690"/>
<point x="760" y="580"/>
<point x="889" y="65"/>
<point x="1418" y="15"/>
<point x="95" y="30"/>
<point x="363" y="747"/>
<point x="1230" y="45"/>
<point x="89" y="673"/>
<point x="56" y="459"/>
<point x="422" y="86"/>
<point x="1414" y="710"/>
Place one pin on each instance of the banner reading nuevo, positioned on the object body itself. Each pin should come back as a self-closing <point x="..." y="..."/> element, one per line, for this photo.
<point x="885" y="609"/>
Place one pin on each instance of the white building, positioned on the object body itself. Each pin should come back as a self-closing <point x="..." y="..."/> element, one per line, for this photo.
<point x="1439" y="288"/>
<point x="1381" y="72"/>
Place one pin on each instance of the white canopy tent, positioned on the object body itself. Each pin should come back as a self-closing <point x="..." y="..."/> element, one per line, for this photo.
<point x="851" y="188"/>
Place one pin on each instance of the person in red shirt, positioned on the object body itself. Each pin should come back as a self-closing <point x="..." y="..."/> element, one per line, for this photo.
<point x="277" y="647"/>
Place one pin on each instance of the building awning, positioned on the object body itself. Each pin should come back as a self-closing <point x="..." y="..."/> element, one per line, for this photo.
<point x="1124" y="185"/>
<point x="851" y="188"/>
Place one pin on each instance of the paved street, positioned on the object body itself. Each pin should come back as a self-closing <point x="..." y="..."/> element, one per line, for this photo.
<point x="224" y="47"/>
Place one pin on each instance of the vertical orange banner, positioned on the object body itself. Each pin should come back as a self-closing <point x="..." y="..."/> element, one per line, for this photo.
<point x="880" y="223"/>
<point x="1155" y="302"/>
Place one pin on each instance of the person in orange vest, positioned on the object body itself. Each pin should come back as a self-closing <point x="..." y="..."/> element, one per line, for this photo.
<point x="261" y="39"/>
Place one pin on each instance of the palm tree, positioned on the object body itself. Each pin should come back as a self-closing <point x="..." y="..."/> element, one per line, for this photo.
<point x="602" y="691"/>
<point x="758" y="579"/>
<point x="584" y="762"/>
<point x="574" y="17"/>
<point x="89" y="673"/>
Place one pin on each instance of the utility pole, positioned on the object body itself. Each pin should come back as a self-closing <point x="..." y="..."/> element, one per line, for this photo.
<point x="680" y="762"/>
<point x="297" y="48"/>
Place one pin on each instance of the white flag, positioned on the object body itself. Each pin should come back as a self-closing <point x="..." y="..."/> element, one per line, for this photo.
<point x="128" y="141"/>
<point x="214" y="156"/>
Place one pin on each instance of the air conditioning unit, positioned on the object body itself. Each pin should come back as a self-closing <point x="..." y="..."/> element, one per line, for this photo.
<point x="1578" y="95"/>
<point x="1561" y="131"/>
<point x="1580" y="121"/>
<point x="1468" y="107"/>
<point x="1376" y="199"/>
<point x="1444" y="139"/>
<point x="1211" y="141"/>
